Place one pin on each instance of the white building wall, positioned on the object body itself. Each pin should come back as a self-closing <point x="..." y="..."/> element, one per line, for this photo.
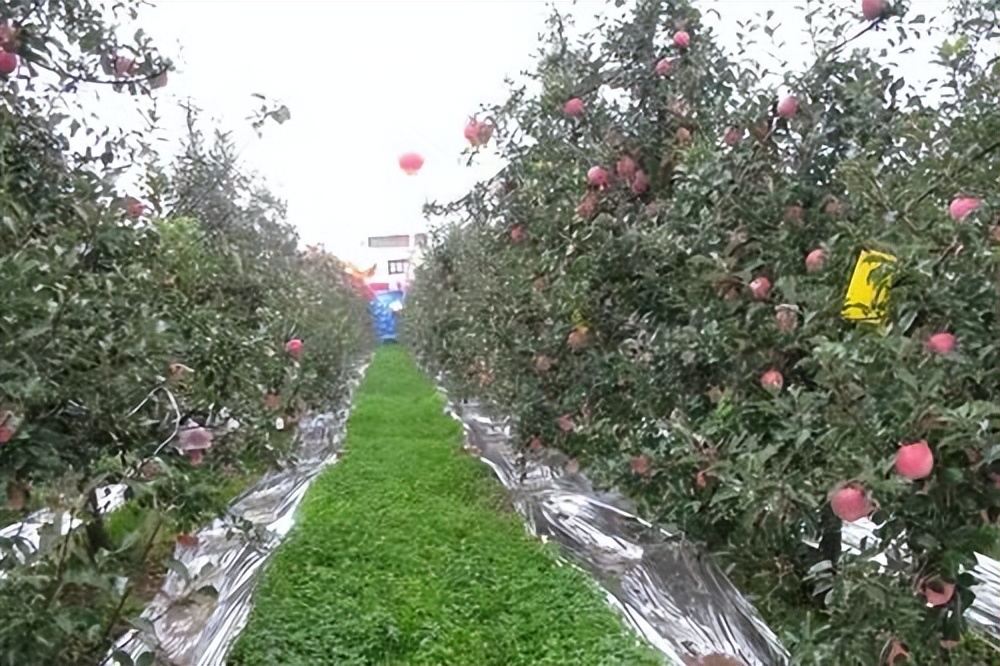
<point x="384" y="259"/>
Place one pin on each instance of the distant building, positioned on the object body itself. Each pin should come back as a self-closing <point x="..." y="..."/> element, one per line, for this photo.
<point x="394" y="257"/>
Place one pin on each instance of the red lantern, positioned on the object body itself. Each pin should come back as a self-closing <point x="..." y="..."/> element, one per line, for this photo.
<point x="411" y="163"/>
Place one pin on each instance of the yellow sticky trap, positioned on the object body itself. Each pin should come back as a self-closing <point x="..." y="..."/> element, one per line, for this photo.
<point x="868" y="301"/>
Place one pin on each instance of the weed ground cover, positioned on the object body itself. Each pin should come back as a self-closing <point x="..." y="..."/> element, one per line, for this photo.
<point x="404" y="554"/>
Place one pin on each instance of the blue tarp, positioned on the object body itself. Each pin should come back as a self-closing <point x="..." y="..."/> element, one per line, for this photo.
<point x="383" y="317"/>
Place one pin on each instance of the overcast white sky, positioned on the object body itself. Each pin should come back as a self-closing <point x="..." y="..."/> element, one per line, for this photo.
<point x="367" y="80"/>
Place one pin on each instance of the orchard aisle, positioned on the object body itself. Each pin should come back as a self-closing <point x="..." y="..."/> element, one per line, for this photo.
<point x="404" y="554"/>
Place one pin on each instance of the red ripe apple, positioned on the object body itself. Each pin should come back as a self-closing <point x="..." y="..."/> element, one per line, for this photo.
<point x="626" y="169"/>
<point x="772" y="380"/>
<point x="873" y="9"/>
<point x="850" y="502"/>
<point x="914" y="461"/>
<point x="788" y="107"/>
<point x="574" y="107"/>
<point x="8" y="63"/>
<point x="815" y="260"/>
<point x="682" y="39"/>
<point x="294" y="348"/>
<point x="664" y="66"/>
<point x="760" y="288"/>
<point x="941" y="343"/>
<point x="960" y="207"/>
<point x="597" y="176"/>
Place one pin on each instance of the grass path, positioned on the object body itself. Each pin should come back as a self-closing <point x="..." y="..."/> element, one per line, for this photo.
<point x="403" y="554"/>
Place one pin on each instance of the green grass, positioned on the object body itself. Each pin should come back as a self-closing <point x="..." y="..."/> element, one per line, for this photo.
<point x="403" y="555"/>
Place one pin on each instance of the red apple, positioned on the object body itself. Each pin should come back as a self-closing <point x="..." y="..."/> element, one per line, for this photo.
<point x="772" y="380"/>
<point x="941" y="343"/>
<point x="815" y="260"/>
<point x="574" y="107"/>
<point x="8" y="63"/>
<point x="915" y="460"/>
<point x="850" y="502"/>
<point x="760" y="288"/>
<point x="873" y="9"/>
<point x="788" y="107"/>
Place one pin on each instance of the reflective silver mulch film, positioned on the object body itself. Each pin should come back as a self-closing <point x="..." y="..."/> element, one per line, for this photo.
<point x="665" y="587"/>
<point x="204" y="605"/>
<point x="668" y="590"/>
<point x="675" y="596"/>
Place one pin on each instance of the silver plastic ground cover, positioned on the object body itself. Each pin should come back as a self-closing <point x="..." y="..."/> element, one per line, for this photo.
<point x="670" y="591"/>
<point x="200" y="610"/>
